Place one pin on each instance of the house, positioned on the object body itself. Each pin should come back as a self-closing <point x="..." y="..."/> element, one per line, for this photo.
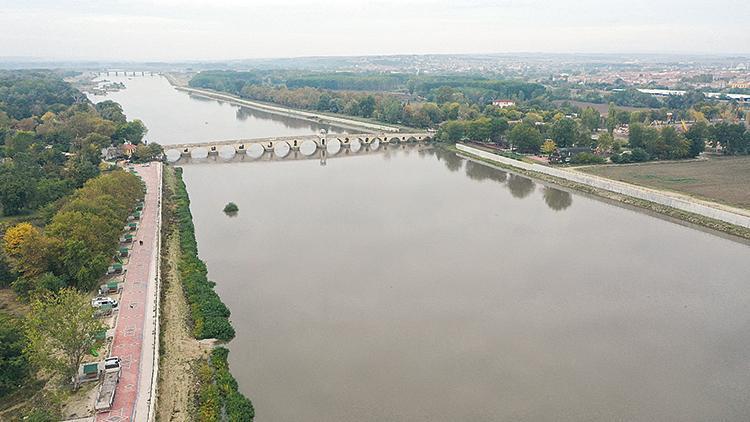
<point x="503" y="103"/>
<point x="564" y="155"/>
<point x="128" y="149"/>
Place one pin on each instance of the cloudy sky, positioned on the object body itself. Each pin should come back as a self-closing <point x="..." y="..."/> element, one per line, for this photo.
<point x="226" y="29"/>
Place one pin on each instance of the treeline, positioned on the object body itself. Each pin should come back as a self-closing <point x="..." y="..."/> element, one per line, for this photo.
<point x="76" y="246"/>
<point x="218" y="395"/>
<point x="209" y="315"/>
<point x="421" y="101"/>
<point x="51" y="139"/>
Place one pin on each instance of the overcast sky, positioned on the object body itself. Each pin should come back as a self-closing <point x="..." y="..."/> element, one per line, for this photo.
<point x="226" y="29"/>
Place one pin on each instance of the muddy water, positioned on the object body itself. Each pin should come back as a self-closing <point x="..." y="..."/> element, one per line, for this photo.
<point x="175" y="117"/>
<point x="413" y="285"/>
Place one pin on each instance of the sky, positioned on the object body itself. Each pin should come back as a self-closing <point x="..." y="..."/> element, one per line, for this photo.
<point x="173" y="30"/>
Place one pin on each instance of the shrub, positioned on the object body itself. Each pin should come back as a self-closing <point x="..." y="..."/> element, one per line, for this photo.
<point x="639" y="155"/>
<point x="587" y="158"/>
<point x="231" y="208"/>
<point x="209" y="315"/>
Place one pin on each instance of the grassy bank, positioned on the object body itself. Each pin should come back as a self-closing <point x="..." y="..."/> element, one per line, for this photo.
<point x="195" y="382"/>
<point x="209" y="315"/>
<point x="218" y="396"/>
<point x="624" y="199"/>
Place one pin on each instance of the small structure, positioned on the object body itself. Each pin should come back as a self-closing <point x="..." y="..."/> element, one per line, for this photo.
<point x="115" y="268"/>
<point x="105" y="309"/>
<point x="126" y="238"/>
<point x="124" y="252"/>
<point x="110" y="287"/>
<point x="88" y="372"/>
<point x="564" y="155"/>
<point x="132" y="226"/>
<point x="503" y="103"/>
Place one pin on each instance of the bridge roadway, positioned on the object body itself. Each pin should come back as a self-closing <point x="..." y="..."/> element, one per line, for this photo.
<point x="281" y="147"/>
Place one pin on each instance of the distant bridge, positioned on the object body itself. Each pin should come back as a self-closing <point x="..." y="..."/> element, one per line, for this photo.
<point x="298" y="146"/>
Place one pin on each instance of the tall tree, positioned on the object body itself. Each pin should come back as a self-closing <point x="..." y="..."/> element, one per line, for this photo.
<point x="526" y="137"/>
<point x="61" y="329"/>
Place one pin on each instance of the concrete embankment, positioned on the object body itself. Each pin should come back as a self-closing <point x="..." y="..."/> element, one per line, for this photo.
<point x="709" y="210"/>
<point x="306" y="115"/>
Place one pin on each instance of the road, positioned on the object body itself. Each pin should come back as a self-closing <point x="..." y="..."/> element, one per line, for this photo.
<point x="135" y="340"/>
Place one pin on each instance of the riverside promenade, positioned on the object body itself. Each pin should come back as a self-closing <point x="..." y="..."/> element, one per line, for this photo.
<point x="136" y="331"/>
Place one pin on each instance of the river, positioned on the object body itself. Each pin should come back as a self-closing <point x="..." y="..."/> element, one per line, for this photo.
<point x="410" y="284"/>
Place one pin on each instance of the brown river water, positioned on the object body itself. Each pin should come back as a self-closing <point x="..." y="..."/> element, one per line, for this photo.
<point x="412" y="285"/>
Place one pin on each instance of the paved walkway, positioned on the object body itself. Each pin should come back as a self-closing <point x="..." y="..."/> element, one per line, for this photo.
<point x="136" y="329"/>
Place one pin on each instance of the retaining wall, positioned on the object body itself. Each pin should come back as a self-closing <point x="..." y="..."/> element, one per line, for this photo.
<point x="739" y="218"/>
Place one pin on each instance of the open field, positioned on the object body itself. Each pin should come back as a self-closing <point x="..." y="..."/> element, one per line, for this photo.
<point x="721" y="179"/>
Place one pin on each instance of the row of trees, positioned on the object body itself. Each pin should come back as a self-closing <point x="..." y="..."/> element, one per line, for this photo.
<point x="421" y="101"/>
<point x="76" y="246"/>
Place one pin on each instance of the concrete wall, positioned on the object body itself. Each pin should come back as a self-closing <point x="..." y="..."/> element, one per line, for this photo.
<point x="718" y="212"/>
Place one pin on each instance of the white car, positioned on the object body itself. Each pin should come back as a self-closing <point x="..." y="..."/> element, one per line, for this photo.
<point x="103" y="300"/>
<point x="112" y="362"/>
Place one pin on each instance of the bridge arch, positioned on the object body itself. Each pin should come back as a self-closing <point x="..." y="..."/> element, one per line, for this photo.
<point x="255" y="151"/>
<point x="281" y="149"/>
<point x="308" y="147"/>
<point x="227" y="152"/>
<point x="199" y="153"/>
<point x="333" y="147"/>
<point x="173" y="155"/>
<point x="355" y="145"/>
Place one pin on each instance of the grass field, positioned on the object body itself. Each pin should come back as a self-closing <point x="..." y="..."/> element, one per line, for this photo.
<point x="720" y="179"/>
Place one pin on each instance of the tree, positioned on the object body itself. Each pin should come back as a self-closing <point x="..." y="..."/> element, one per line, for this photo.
<point x="548" y="147"/>
<point x="526" y="137"/>
<point x="367" y="106"/>
<point x="605" y="142"/>
<point x="451" y="131"/>
<point x="61" y="329"/>
<point x="611" y="120"/>
<point x="731" y="137"/>
<point x="675" y="143"/>
<point x="479" y="129"/>
<point x="590" y="119"/>
<point x="698" y="134"/>
<point x="27" y="248"/>
<point x="132" y="132"/>
<point x="14" y="365"/>
<point x="565" y="132"/>
<point x="111" y="111"/>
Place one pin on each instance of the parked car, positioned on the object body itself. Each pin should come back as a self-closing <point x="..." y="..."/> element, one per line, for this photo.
<point x="101" y="300"/>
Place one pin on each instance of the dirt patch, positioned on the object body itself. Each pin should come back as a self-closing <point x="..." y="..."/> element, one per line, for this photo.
<point x="180" y="351"/>
<point x="9" y="303"/>
<point x="719" y="179"/>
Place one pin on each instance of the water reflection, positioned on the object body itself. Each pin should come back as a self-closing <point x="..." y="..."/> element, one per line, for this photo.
<point x="557" y="199"/>
<point x="452" y="161"/>
<point x="519" y="186"/>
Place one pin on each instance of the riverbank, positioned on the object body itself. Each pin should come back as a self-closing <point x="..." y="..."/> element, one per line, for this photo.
<point x="314" y="117"/>
<point x="701" y="213"/>
<point x="194" y="382"/>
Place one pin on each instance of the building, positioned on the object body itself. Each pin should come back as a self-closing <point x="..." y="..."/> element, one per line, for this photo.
<point x="503" y="103"/>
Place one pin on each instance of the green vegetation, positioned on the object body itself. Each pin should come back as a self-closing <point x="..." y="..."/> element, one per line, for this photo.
<point x="79" y="240"/>
<point x="218" y="397"/>
<point x="14" y="364"/>
<point x="51" y="138"/>
<point x="61" y="330"/>
<point x="417" y="101"/>
<point x="231" y="208"/>
<point x="210" y="317"/>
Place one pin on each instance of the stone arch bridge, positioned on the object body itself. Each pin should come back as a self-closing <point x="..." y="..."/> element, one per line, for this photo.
<point x="281" y="147"/>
